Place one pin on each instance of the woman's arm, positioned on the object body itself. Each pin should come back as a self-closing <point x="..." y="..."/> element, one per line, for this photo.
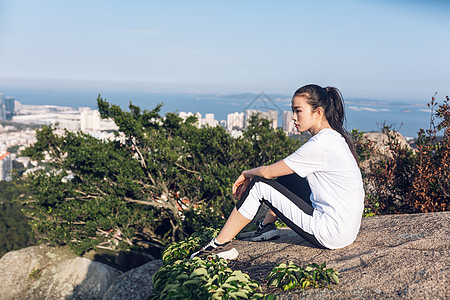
<point x="274" y="170"/>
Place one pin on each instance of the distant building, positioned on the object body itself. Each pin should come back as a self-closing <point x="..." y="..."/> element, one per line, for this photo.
<point x="185" y="115"/>
<point x="9" y="107"/>
<point x="5" y="166"/>
<point x="90" y="119"/>
<point x="249" y="113"/>
<point x="210" y="121"/>
<point x="199" y="119"/>
<point x="288" y="123"/>
<point x="235" y="121"/>
<point x="271" y="115"/>
<point x="2" y="109"/>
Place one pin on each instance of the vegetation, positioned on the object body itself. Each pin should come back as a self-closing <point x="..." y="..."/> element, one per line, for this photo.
<point x="157" y="182"/>
<point x="409" y="181"/>
<point x="15" y="233"/>
<point x="211" y="278"/>
<point x="290" y="276"/>
<point x="198" y="278"/>
<point x="183" y="249"/>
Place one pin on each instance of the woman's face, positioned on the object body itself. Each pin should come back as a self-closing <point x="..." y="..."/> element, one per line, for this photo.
<point x="303" y="115"/>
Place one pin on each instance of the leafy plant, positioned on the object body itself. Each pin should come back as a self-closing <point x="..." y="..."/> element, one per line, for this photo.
<point x="279" y="223"/>
<point x="209" y="278"/>
<point x="183" y="249"/>
<point x="35" y="273"/>
<point x="290" y="276"/>
<point x="363" y="148"/>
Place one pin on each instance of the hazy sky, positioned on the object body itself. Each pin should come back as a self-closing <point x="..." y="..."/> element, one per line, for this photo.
<point x="391" y="50"/>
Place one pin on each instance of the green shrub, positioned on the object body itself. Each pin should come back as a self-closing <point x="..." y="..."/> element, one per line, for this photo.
<point x="15" y="232"/>
<point x="290" y="276"/>
<point x="183" y="249"/>
<point x="209" y="278"/>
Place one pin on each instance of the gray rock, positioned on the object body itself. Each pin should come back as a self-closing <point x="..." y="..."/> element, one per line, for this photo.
<point x="42" y="272"/>
<point x="394" y="256"/>
<point x="18" y="270"/>
<point x="134" y="284"/>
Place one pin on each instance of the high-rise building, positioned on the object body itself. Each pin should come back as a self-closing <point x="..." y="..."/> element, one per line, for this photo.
<point x="199" y="119"/>
<point x="249" y="113"/>
<point x="9" y="107"/>
<point x="235" y="121"/>
<point x="2" y="109"/>
<point x="271" y="115"/>
<point x="5" y="166"/>
<point x="210" y="121"/>
<point x="288" y="123"/>
<point x="90" y="119"/>
<point x="185" y="115"/>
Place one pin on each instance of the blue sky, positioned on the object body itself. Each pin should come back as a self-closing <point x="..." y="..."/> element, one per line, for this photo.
<point x="390" y="50"/>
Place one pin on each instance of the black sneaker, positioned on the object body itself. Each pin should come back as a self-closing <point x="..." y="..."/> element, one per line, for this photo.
<point x="265" y="233"/>
<point x="226" y="251"/>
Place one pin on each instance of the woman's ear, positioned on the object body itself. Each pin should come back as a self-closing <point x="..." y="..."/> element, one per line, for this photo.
<point x="320" y="112"/>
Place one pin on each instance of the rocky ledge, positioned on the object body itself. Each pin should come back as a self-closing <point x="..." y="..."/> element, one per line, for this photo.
<point x="394" y="257"/>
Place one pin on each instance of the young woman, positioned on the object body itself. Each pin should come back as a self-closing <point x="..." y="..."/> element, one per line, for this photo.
<point x="331" y="217"/>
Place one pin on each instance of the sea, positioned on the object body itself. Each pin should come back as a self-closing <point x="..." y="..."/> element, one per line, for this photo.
<point x="364" y="114"/>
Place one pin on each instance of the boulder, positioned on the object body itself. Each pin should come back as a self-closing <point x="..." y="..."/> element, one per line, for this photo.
<point x="379" y="143"/>
<point x="42" y="272"/>
<point x="134" y="284"/>
<point x="394" y="256"/>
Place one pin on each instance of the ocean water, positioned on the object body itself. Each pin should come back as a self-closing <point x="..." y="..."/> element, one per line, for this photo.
<point x="362" y="114"/>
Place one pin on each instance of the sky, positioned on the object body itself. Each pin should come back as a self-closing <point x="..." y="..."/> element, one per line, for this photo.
<point x="390" y="50"/>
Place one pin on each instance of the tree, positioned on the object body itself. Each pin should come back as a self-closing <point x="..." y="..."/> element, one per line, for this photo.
<point x="14" y="228"/>
<point x="156" y="182"/>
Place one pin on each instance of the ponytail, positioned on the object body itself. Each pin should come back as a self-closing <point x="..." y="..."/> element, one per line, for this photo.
<point x="331" y="100"/>
<point x="336" y="117"/>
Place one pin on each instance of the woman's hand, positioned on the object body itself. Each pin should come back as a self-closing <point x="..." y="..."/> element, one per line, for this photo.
<point x="240" y="185"/>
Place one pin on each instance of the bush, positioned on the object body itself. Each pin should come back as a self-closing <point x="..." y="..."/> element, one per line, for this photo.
<point x="209" y="278"/>
<point x="15" y="233"/>
<point x="408" y="181"/>
<point x="290" y="276"/>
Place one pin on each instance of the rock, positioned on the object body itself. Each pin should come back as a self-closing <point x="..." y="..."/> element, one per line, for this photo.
<point x="394" y="256"/>
<point x="18" y="270"/>
<point x="134" y="284"/>
<point x="380" y="139"/>
<point x="42" y="272"/>
<point x="379" y="146"/>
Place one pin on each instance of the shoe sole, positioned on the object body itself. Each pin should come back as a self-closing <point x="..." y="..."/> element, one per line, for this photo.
<point x="270" y="235"/>
<point x="229" y="255"/>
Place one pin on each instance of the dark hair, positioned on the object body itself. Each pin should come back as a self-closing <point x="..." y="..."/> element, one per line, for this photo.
<point x="332" y="102"/>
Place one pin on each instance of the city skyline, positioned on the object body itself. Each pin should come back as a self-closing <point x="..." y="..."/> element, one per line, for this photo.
<point x="391" y="50"/>
<point x="362" y="114"/>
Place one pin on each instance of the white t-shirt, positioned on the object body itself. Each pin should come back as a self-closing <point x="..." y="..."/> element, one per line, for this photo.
<point x="337" y="192"/>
